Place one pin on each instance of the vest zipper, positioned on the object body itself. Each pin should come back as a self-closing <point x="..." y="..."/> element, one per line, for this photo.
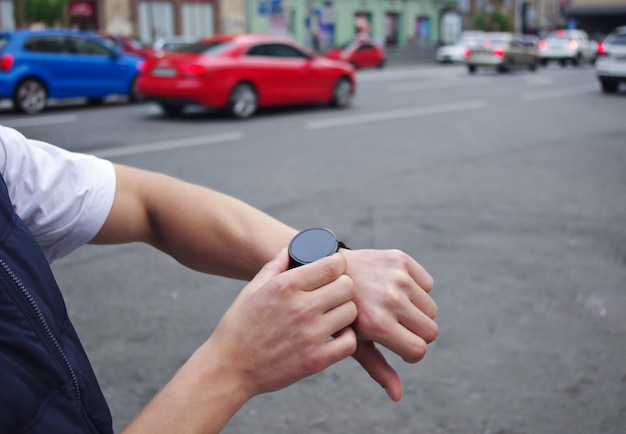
<point x="31" y="303"/>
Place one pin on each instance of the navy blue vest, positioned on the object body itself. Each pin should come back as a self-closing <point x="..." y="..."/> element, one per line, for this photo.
<point x="47" y="384"/>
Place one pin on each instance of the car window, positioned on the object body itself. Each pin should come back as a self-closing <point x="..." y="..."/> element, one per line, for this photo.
<point x="86" y="46"/>
<point x="207" y="48"/>
<point x="276" y="50"/>
<point x="47" y="44"/>
<point x="4" y="40"/>
<point x="365" y="47"/>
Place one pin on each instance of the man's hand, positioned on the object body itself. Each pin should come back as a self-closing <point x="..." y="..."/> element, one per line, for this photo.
<point x="283" y="326"/>
<point x="394" y="310"/>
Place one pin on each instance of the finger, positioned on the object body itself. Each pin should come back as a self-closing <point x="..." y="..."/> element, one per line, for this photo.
<point x="420" y="275"/>
<point x="339" y="318"/>
<point x="374" y="363"/>
<point x="423" y="301"/>
<point x="343" y="345"/>
<point x="408" y="345"/>
<point x="273" y="268"/>
<point x="333" y="294"/>
<point x="319" y="273"/>
<point x="419" y="323"/>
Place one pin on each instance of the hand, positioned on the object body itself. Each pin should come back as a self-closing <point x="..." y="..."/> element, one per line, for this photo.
<point x="277" y="330"/>
<point x="394" y="310"/>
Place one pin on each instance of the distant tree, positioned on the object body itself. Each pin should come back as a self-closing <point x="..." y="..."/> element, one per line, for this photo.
<point x="49" y="12"/>
<point x="494" y="21"/>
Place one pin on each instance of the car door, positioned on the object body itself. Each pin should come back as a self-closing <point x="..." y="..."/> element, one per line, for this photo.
<point x="104" y="74"/>
<point x="365" y="56"/>
<point x="279" y="72"/>
<point x="49" y="57"/>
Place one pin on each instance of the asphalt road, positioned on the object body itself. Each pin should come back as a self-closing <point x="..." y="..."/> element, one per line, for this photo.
<point x="510" y="189"/>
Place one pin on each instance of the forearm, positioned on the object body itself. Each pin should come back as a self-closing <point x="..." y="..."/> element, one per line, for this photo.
<point x="200" y="398"/>
<point x="201" y="228"/>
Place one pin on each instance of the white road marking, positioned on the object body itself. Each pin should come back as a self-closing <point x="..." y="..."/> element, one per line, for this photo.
<point x="558" y="93"/>
<point x="395" y="114"/>
<point x="167" y="145"/>
<point x="35" y="121"/>
<point x="426" y="85"/>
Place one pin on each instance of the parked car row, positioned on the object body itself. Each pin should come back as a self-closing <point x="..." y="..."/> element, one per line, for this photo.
<point x="238" y="73"/>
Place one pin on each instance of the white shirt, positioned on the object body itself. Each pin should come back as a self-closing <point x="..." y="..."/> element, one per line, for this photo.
<point x="63" y="197"/>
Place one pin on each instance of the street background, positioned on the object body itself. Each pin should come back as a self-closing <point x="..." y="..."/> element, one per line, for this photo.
<point x="509" y="188"/>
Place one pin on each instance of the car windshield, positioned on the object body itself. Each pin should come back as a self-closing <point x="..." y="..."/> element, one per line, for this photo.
<point x="207" y="48"/>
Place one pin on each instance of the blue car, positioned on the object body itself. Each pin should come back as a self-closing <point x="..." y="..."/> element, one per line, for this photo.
<point x="36" y="65"/>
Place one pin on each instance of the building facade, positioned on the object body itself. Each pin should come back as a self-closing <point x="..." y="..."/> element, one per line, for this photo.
<point x="324" y="23"/>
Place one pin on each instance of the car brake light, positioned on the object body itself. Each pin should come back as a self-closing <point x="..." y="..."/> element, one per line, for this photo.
<point x="467" y="52"/>
<point x="498" y="52"/>
<point x="543" y="45"/>
<point x="6" y="62"/>
<point x="601" y="49"/>
<point x="193" y="69"/>
<point x="573" y="44"/>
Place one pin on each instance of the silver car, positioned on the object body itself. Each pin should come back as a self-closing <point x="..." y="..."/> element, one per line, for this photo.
<point x="611" y="60"/>
<point x="504" y="52"/>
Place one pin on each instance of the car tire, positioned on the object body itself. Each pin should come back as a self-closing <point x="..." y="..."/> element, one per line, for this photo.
<point x="342" y="93"/>
<point x="609" y="86"/>
<point x="576" y="60"/>
<point x="381" y="64"/>
<point x="95" y="101"/>
<point x="563" y="63"/>
<point x="30" y="96"/>
<point x="471" y="69"/>
<point x="172" y="110"/>
<point x="544" y="62"/>
<point x="243" y="101"/>
<point x="533" y="65"/>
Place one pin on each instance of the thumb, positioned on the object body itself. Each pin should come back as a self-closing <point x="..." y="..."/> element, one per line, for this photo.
<point x="373" y="361"/>
<point x="270" y="270"/>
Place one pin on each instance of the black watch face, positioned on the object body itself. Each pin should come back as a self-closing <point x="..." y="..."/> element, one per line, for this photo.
<point x="312" y="244"/>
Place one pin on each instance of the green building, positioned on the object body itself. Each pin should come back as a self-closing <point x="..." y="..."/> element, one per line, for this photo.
<point x="324" y="23"/>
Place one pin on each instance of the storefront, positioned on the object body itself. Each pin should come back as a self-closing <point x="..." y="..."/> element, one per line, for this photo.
<point x="83" y="15"/>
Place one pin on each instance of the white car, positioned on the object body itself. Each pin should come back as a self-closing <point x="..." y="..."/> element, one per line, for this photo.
<point x="611" y="61"/>
<point x="567" y="46"/>
<point x="456" y="52"/>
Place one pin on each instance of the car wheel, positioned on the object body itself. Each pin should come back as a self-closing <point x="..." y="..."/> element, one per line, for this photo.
<point x="342" y="93"/>
<point x="471" y="69"/>
<point x="243" y="101"/>
<point x="172" y="109"/>
<point x="30" y="96"/>
<point x="544" y="62"/>
<point x="609" y="86"/>
<point x="381" y="64"/>
<point x="563" y="63"/>
<point x="576" y="60"/>
<point x="95" y="101"/>
<point x="533" y="65"/>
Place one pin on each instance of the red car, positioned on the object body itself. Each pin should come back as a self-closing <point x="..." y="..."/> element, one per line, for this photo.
<point x="241" y="73"/>
<point x="361" y="54"/>
<point x="128" y="44"/>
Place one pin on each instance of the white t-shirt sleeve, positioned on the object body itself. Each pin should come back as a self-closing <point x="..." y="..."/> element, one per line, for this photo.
<point x="63" y="197"/>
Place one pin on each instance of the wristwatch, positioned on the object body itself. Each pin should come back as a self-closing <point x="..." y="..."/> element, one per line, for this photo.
<point x="312" y="244"/>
